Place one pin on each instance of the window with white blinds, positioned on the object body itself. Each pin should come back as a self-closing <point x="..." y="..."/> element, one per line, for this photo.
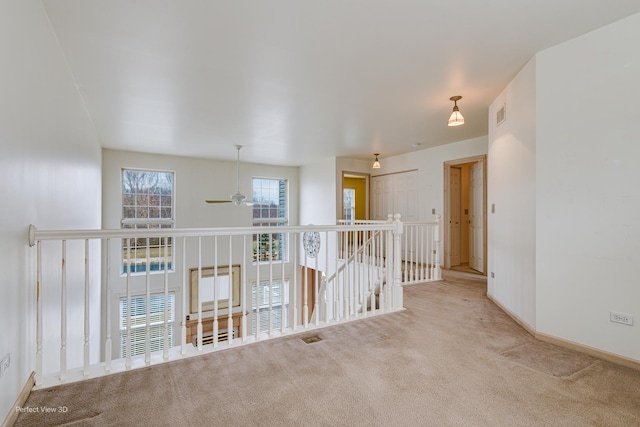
<point x="138" y="318"/>
<point x="279" y="303"/>
<point x="270" y="209"/>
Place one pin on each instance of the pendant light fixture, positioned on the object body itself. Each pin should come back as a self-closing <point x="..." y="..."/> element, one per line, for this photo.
<point x="376" y="162"/>
<point x="456" y="118"/>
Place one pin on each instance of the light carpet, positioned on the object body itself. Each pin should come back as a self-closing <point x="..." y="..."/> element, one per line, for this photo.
<point x="452" y="358"/>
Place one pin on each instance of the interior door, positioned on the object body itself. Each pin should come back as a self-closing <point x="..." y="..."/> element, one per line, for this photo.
<point x="476" y="226"/>
<point x="405" y="195"/>
<point x="455" y="195"/>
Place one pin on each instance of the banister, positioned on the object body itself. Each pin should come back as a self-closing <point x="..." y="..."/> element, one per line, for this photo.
<point x="350" y="284"/>
<point x="351" y="258"/>
<point x="35" y="234"/>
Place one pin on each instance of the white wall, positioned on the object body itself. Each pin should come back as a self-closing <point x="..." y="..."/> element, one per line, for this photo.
<point x="588" y="188"/>
<point x="51" y="162"/>
<point x="511" y="188"/>
<point x="430" y="166"/>
<point x="318" y="205"/>
<point x="196" y="180"/>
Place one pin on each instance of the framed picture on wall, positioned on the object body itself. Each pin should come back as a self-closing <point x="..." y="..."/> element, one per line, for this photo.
<point x="225" y="283"/>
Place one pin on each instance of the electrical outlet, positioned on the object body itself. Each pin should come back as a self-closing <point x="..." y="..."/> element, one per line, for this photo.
<point x="4" y="364"/>
<point x="625" y="319"/>
<point x="492" y="275"/>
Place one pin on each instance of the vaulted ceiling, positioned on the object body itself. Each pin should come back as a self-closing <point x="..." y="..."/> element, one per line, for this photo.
<point x="295" y="80"/>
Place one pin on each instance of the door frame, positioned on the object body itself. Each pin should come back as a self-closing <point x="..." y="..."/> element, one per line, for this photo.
<point x="367" y="190"/>
<point x="446" y="230"/>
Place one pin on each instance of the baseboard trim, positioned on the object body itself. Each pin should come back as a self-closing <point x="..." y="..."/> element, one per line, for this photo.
<point x="600" y="354"/>
<point x="514" y="316"/>
<point x="591" y="351"/>
<point x="12" y="416"/>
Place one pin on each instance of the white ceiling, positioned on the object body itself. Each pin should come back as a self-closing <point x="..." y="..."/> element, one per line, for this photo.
<point x="293" y="80"/>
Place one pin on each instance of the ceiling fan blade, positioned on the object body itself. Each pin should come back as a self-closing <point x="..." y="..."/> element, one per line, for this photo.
<point x="238" y="198"/>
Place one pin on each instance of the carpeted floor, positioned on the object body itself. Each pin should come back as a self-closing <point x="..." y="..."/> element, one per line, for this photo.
<point x="452" y="358"/>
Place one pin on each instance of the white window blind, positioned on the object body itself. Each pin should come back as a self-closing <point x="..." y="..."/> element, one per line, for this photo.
<point x="279" y="305"/>
<point x="139" y="323"/>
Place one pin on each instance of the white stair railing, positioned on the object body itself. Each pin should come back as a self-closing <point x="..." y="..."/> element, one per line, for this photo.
<point x="257" y="291"/>
<point x="420" y="249"/>
<point x="421" y="252"/>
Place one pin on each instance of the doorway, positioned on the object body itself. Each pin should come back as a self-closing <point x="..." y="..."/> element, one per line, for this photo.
<point x="355" y="196"/>
<point x="465" y="214"/>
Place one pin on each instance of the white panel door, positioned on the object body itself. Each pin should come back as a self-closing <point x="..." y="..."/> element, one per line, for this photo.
<point x="476" y="227"/>
<point x="455" y="196"/>
<point x="395" y="193"/>
<point x="387" y="196"/>
<point x="405" y="188"/>
<point x="376" y="197"/>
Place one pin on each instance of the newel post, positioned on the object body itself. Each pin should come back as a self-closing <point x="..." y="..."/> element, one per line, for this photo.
<point x="437" y="271"/>
<point x="397" y="301"/>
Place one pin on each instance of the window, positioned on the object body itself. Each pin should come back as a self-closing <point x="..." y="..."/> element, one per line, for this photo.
<point x="139" y="323"/>
<point x="147" y="202"/>
<point x="269" y="209"/>
<point x="349" y="202"/>
<point x="279" y="305"/>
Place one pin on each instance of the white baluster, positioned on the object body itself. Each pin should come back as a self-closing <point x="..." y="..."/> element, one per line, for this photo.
<point x="230" y="335"/>
<point x="283" y="291"/>
<point x="270" y="327"/>
<point x="87" y="324"/>
<point x="243" y="301"/>
<point x="316" y="294"/>
<point x="165" y="352"/>
<point x="108" y="347"/>
<point x="147" y="284"/>
<point x="39" y="368"/>
<point x="437" y="274"/>
<point x="364" y="277"/>
<point x="257" y="286"/>
<point x="215" y="292"/>
<point x="372" y="272"/>
<point x="405" y="271"/>
<point x="424" y="231"/>
<point x="326" y="270"/>
<point x="296" y="282"/>
<point x="389" y="269"/>
<point x="381" y="270"/>
<point x="183" y="349"/>
<point x="63" y="315"/>
<point x="336" y="280"/>
<point x="128" y="333"/>
<point x="397" y="285"/>
<point x="305" y="290"/>
<point x="199" y="327"/>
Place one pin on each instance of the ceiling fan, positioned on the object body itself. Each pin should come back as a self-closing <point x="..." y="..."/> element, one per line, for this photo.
<point x="237" y="198"/>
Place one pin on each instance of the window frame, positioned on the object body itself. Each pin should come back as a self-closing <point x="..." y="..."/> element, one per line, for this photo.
<point x="271" y="222"/>
<point x="135" y="223"/>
